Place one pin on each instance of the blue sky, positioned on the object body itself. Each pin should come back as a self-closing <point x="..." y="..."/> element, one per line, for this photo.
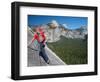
<point x="71" y="22"/>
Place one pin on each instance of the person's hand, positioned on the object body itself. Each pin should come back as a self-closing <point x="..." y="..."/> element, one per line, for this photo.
<point x="30" y="43"/>
<point x="43" y="45"/>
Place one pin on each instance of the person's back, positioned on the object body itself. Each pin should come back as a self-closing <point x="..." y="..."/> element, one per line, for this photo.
<point x="39" y="36"/>
<point x="42" y="37"/>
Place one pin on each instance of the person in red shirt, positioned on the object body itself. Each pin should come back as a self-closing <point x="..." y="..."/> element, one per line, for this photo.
<point x="39" y="35"/>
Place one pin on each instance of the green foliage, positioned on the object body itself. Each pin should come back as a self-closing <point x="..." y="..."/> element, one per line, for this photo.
<point x="71" y="51"/>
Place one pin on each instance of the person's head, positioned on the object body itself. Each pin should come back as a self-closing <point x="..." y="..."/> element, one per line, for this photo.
<point x="39" y="29"/>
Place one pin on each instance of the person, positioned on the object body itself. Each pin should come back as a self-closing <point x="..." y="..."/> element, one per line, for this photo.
<point x="41" y="38"/>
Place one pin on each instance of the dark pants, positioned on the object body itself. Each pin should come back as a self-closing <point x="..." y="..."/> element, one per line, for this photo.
<point x="42" y="52"/>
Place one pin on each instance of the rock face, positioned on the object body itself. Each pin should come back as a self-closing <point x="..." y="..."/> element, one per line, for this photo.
<point x="33" y="58"/>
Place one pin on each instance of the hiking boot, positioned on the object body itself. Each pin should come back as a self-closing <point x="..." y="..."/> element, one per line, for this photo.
<point x="48" y="62"/>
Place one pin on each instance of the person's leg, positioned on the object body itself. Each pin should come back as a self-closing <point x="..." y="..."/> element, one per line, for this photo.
<point x="44" y="55"/>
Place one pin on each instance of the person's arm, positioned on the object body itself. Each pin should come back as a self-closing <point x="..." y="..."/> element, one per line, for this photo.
<point x="44" y="40"/>
<point x="34" y="37"/>
<point x="31" y="41"/>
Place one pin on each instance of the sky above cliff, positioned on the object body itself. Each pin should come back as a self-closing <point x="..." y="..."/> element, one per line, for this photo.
<point x="67" y="21"/>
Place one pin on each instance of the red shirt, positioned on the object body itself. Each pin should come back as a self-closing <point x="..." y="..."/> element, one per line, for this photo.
<point x="37" y="37"/>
